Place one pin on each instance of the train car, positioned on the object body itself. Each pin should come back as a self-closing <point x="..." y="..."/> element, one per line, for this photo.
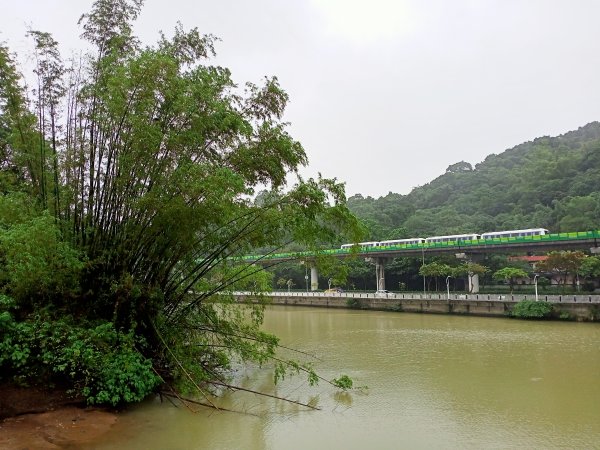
<point x="401" y="242"/>
<point x="361" y="244"/>
<point x="453" y="238"/>
<point x="515" y="233"/>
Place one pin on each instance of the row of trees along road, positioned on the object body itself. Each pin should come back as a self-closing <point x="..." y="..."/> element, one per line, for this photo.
<point x="558" y="265"/>
<point x="407" y="273"/>
<point x="127" y="179"/>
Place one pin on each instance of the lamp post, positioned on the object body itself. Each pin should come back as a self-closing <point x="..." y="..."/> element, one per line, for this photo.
<point x="448" y="286"/>
<point x="535" y="283"/>
<point x="306" y="277"/>
<point x="423" y="253"/>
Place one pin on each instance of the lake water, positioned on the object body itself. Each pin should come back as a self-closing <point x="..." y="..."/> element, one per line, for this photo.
<point x="433" y="382"/>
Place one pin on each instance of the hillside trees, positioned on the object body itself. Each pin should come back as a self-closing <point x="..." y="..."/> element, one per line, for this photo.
<point x="550" y="182"/>
<point x="135" y="171"/>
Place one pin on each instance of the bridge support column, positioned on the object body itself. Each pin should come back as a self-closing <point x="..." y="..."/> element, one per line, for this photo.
<point x="314" y="278"/>
<point x="379" y="271"/>
<point x="473" y="283"/>
<point x="380" y="274"/>
<point x="472" y="277"/>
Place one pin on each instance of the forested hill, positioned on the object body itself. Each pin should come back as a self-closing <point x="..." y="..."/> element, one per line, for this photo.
<point x="550" y="182"/>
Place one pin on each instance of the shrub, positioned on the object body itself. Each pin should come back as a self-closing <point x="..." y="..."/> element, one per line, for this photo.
<point x="353" y="303"/>
<point x="529" y="309"/>
<point x="565" y="315"/>
<point x="101" y="363"/>
<point x="36" y="262"/>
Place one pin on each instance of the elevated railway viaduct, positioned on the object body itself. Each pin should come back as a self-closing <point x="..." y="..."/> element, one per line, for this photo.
<point x="587" y="241"/>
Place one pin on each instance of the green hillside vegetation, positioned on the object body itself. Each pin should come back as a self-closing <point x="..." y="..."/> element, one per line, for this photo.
<point x="550" y="182"/>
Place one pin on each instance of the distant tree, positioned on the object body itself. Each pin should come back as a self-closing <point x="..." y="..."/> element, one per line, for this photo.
<point x="563" y="264"/>
<point x="458" y="167"/>
<point x="435" y="270"/>
<point x="579" y="213"/>
<point x="590" y="270"/>
<point x="543" y="282"/>
<point x="334" y="269"/>
<point x="509" y="274"/>
<point x="590" y="267"/>
<point x="471" y="269"/>
<point x="360" y="274"/>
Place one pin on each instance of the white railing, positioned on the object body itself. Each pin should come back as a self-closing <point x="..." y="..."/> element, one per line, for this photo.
<point x="566" y="298"/>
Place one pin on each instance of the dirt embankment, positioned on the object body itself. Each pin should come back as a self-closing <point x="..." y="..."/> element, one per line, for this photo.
<point x="37" y="418"/>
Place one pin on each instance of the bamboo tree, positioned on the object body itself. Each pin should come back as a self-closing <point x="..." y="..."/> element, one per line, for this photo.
<point x="50" y="92"/>
<point x="154" y="166"/>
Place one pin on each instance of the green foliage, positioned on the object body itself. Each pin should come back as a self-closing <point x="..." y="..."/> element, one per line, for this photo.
<point x="564" y="315"/>
<point x="590" y="267"/>
<point x="528" y="309"/>
<point x="126" y="213"/>
<point x="509" y="274"/>
<point x="333" y="268"/>
<point x="37" y="262"/>
<point x="563" y="263"/>
<point x="503" y="192"/>
<point x="353" y="303"/>
<point x="435" y="270"/>
<point x="543" y="282"/>
<point x="103" y="364"/>
<point x="343" y="382"/>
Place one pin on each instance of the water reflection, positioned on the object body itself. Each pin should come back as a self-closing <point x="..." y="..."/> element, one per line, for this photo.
<point x="433" y="382"/>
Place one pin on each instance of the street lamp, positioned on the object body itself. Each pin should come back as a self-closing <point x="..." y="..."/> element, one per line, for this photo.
<point x="535" y="283"/>
<point x="448" y="286"/>
<point x="423" y="253"/>
<point x="306" y="277"/>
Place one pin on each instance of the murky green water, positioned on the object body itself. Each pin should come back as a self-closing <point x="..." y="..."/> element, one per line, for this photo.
<point x="434" y="382"/>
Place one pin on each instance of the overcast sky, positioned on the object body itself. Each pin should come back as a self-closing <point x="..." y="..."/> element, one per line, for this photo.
<point x="385" y="94"/>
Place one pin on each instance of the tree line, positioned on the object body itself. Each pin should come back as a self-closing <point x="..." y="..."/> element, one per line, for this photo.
<point x="409" y="274"/>
<point x="550" y="182"/>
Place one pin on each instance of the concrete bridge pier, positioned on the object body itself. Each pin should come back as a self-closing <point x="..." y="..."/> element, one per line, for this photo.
<point x="379" y="271"/>
<point x="314" y="278"/>
<point x="472" y="277"/>
<point x="473" y="283"/>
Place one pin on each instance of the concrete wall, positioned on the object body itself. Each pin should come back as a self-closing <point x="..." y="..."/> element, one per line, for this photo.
<point x="580" y="308"/>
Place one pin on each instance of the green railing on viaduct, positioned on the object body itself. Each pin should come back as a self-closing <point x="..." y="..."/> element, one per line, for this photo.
<point x="478" y="244"/>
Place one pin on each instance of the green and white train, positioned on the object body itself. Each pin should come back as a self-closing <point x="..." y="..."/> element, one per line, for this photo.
<point x="453" y="238"/>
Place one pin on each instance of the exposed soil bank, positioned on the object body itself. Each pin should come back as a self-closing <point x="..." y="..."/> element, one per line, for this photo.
<point x="35" y="418"/>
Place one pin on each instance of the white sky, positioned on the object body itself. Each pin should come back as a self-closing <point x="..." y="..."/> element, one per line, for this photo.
<point x="385" y="94"/>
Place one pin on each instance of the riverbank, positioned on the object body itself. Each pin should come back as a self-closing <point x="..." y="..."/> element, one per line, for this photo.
<point x="583" y="308"/>
<point x="41" y="418"/>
